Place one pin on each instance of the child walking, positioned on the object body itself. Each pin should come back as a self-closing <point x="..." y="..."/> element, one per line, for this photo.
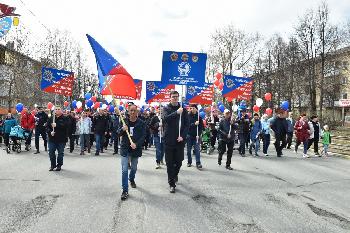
<point x="326" y="140"/>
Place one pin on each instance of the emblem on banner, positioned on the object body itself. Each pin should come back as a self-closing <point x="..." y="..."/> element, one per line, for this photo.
<point x="48" y="76"/>
<point x="151" y="86"/>
<point x="194" y="58"/>
<point x="184" y="57"/>
<point x="191" y="90"/>
<point x="229" y="83"/>
<point x="184" y="68"/>
<point x="174" y="56"/>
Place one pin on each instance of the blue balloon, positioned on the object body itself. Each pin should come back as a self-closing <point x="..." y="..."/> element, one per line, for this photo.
<point x="243" y="103"/>
<point x="121" y="108"/>
<point x="87" y="96"/>
<point x="19" y="107"/>
<point x="202" y="115"/>
<point x="219" y="103"/>
<point x="222" y="108"/>
<point x="6" y="23"/>
<point x="111" y="108"/>
<point x="74" y="104"/>
<point x="285" y="105"/>
<point x="142" y="110"/>
<point x="89" y="103"/>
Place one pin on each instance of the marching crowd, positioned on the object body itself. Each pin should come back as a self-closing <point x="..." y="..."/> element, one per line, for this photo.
<point x="169" y="129"/>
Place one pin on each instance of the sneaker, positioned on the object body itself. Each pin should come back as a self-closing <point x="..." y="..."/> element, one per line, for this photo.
<point x="189" y="165"/>
<point x="97" y="153"/>
<point x="124" y="195"/>
<point x="266" y="154"/>
<point x="58" y="168"/>
<point x="229" y="168"/>
<point x="158" y="166"/>
<point x="132" y="184"/>
<point x="51" y="169"/>
<point x="199" y="166"/>
<point x="172" y="189"/>
<point x="82" y="153"/>
<point x="36" y="152"/>
<point x="306" y="156"/>
<point x="219" y="162"/>
<point x="161" y="162"/>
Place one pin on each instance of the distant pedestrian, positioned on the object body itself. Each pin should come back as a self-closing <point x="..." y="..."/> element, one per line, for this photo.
<point x="280" y="127"/>
<point x="326" y="140"/>
<point x="243" y="130"/>
<point x="302" y="134"/>
<point x="255" y="135"/>
<point x="291" y="123"/>
<point x="84" y="126"/>
<point x="315" y="134"/>
<point x="265" y="123"/>
<point x="226" y="138"/>
<point x="41" y="118"/>
<point x="9" y="122"/>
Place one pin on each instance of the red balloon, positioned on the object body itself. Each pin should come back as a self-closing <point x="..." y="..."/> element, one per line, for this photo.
<point x="268" y="96"/>
<point x="229" y="99"/>
<point x="204" y="123"/>
<point x="126" y="105"/>
<point x="96" y="105"/>
<point x="49" y="105"/>
<point x="268" y="111"/>
<point x="221" y="86"/>
<point x="218" y="76"/>
<point x="79" y="109"/>
<point x="121" y="102"/>
<point x="217" y="82"/>
<point x="65" y="103"/>
<point x="256" y="108"/>
<point x="93" y="98"/>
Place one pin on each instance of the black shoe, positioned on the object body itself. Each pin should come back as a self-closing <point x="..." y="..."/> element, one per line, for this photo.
<point x="219" y="162"/>
<point x="70" y="151"/>
<point x="279" y="155"/>
<point x="172" y="189"/>
<point x="124" y="195"/>
<point x="89" y="151"/>
<point x="101" y="151"/>
<point x="189" y="165"/>
<point x="51" y="169"/>
<point x="58" y="168"/>
<point x="45" y="148"/>
<point x="97" y="153"/>
<point x="115" y="153"/>
<point x="256" y="154"/>
<point x="37" y="152"/>
<point x="229" y="168"/>
<point x="132" y="184"/>
<point x="199" y="166"/>
<point x="250" y="151"/>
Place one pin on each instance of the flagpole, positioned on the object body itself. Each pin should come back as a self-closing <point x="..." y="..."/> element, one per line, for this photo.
<point x="182" y="91"/>
<point x="197" y="126"/>
<point x="120" y="114"/>
<point x="161" y="122"/>
<point x="53" y="116"/>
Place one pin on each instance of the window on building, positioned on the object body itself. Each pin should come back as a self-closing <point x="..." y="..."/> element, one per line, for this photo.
<point x="344" y="95"/>
<point x="345" y="65"/>
<point x="344" y="80"/>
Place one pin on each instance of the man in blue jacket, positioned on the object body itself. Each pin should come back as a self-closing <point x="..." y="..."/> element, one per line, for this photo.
<point x="255" y="135"/>
<point x="132" y="150"/>
<point x="174" y="139"/>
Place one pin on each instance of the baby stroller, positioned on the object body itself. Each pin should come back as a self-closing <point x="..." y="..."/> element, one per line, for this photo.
<point x="17" y="135"/>
<point x="205" y="144"/>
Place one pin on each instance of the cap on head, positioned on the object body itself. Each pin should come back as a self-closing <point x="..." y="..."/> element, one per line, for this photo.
<point x="226" y="111"/>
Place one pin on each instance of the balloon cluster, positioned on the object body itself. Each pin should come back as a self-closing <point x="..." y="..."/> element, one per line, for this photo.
<point x="218" y="82"/>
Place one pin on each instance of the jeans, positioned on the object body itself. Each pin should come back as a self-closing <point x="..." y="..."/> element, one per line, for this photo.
<point x="42" y="132"/>
<point x="266" y="143"/>
<point x="305" y="144"/>
<point x="6" y="139"/>
<point x="255" y="144"/>
<point x="124" y="163"/>
<point x="115" y="140"/>
<point x="280" y="143"/>
<point x="192" y="142"/>
<point x="222" y="150"/>
<point x="214" y="135"/>
<point x="173" y="159"/>
<point x="99" y="142"/>
<point x="84" y="142"/>
<point x="325" y="148"/>
<point x="71" y="142"/>
<point x="159" y="148"/>
<point x="289" y="139"/>
<point x="29" y="139"/>
<point x="60" y="153"/>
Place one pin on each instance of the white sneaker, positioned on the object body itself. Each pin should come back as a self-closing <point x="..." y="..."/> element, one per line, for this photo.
<point x="306" y="156"/>
<point x="158" y="166"/>
<point x="266" y="154"/>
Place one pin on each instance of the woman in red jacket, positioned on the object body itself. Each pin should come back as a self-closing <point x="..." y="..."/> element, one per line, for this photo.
<point x="28" y="124"/>
<point x="302" y="133"/>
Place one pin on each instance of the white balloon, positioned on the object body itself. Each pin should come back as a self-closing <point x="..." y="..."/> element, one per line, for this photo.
<point x="234" y="107"/>
<point x="35" y="105"/>
<point x="259" y="102"/>
<point x="109" y="98"/>
<point x="79" y="104"/>
<point x="104" y="106"/>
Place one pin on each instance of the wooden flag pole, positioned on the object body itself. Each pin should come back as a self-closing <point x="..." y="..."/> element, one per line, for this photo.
<point x="161" y="122"/>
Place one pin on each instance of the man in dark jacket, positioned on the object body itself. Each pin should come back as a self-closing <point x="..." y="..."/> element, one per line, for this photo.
<point x="244" y="124"/>
<point x="174" y="136"/>
<point x="193" y="136"/>
<point x="100" y="126"/>
<point x="131" y="150"/>
<point x="316" y="135"/>
<point x="71" y="128"/>
<point x="226" y="138"/>
<point x="213" y="121"/>
<point x="57" y="132"/>
<point x="115" y="122"/>
<point x="40" y="128"/>
<point x="156" y="129"/>
<point x="280" y="126"/>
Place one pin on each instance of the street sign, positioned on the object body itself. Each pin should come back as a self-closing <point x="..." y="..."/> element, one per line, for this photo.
<point x="344" y="102"/>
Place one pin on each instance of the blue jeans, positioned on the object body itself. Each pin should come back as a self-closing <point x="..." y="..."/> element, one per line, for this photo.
<point x="159" y="148"/>
<point x="60" y="153"/>
<point x="255" y="143"/>
<point x="192" y="142"/>
<point x="325" y="148"/>
<point x="124" y="162"/>
<point x="84" y="141"/>
<point x="99" y="142"/>
<point x="266" y="142"/>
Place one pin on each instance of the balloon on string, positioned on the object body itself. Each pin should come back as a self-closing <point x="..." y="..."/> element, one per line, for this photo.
<point x="126" y="105"/>
<point x="219" y="103"/>
<point x="87" y="96"/>
<point x="89" y="103"/>
<point x="217" y="83"/>
<point x="104" y="106"/>
<point x="202" y="115"/>
<point x="218" y="76"/>
<point x="259" y="102"/>
<point x="268" y="96"/>
<point x="19" y="107"/>
<point x="35" y="105"/>
<point x="94" y="98"/>
<point x="49" y="105"/>
<point x="221" y="108"/>
<point x="243" y="103"/>
<point x="234" y="107"/>
<point x="121" y="108"/>
<point x="268" y="111"/>
<point x="96" y="105"/>
<point x="65" y="104"/>
<point x="256" y="108"/>
<point x="74" y="104"/>
<point x="285" y="105"/>
<point x="79" y="104"/>
<point x="79" y="109"/>
<point x="121" y="102"/>
<point x="111" y="109"/>
<point x="109" y="98"/>
<point x="221" y="86"/>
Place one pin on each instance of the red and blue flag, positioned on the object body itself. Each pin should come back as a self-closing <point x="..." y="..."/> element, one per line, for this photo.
<point x="57" y="81"/>
<point x="237" y="87"/>
<point x="158" y="91"/>
<point x="113" y="77"/>
<point x="200" y="94"/>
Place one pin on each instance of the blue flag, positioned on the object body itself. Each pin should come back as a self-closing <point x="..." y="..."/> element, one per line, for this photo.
<point x="158" y="91"/>
<point x="183" y="68"/>
<point x="57" y="81"/>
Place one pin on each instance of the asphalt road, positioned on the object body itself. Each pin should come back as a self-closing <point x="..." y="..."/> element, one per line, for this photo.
<point x="264" y="194"/>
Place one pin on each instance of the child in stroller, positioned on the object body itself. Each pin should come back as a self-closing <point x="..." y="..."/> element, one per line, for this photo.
<point x="17" y="135"/>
